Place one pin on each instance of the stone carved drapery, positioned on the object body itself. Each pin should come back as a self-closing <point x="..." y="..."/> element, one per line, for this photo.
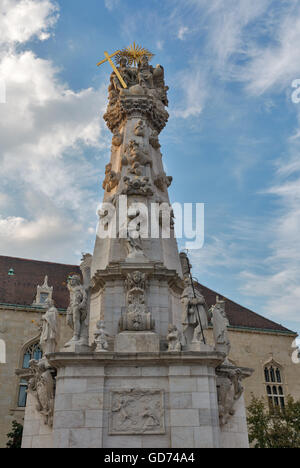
<point x="137" y="316"/>
<point x="77" y="311"/>
<point x="136" y="411"/>
<point x="230" y="390"/>
<point x="42" y="386"/>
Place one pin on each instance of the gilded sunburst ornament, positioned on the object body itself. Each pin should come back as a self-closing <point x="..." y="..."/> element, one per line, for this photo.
<point x="133" y="54"/>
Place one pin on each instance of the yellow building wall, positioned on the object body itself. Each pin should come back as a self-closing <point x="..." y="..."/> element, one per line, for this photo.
<point x="20" y="327"/>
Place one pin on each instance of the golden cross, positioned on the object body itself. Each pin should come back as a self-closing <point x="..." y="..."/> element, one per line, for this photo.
<point x="108" y="59"/>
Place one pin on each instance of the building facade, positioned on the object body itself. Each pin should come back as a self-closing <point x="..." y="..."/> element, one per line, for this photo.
<point x="25" y="286"/>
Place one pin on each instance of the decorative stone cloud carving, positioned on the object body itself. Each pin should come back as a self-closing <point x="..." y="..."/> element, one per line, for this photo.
<point x="136" y="411"/>
<point x="42" y="386"/>
<point x="49" y="334"/>
<point x="162" y="182"/>
<point x="111" y="180"/>
<point x="137" y="186"/>
<point x="174" y="339"/>
<point x="230" y="390"/>
<point x="192" y="307"/>
<point x="137" y="316"/>
<point x="77" y="311"/>
<point x="136" y="157"/>
<point x="117" y="138"/>
<point x="101" y="338"/>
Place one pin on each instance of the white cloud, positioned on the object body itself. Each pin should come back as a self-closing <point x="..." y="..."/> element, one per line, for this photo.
<point x="46" y="129"/>
<point x="183" y="31"/>
<point x="278" y="65"/>
<point x="280" y="285"/>
<point x="194" y="86"/>
<point x="21" y="20"/>
<point x="111" y="4"/>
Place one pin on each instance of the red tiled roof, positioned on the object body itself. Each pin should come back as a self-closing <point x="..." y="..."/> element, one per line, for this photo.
<point x="20" y="289"/>
<point x="239" y="316"/>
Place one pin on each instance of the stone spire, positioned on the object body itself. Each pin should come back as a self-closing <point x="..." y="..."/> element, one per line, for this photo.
<point x="134" y="182"/>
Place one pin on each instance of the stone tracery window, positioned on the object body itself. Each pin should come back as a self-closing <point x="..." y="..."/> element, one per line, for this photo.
<point x="274" y="386"/>
<point x="33" y="351"/>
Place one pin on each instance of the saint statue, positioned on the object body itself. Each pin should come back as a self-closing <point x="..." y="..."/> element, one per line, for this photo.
<point x="145" y="73"/>
<point x="220" y="327"/>
<point x="194" y="308"/>
<point x="77" y="310"/>
<point x="49" y="334"/>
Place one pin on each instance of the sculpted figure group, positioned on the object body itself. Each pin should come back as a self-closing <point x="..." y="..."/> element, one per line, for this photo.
<point x="150" y="79"/>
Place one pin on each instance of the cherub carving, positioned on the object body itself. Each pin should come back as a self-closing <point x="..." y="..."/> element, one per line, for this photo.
<point x="101" y="337"/>
<point x="139" y="129"/>
<point x="174" y="339"/>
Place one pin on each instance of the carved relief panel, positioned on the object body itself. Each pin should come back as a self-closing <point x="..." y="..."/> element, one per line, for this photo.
<point x="136" y="411"/>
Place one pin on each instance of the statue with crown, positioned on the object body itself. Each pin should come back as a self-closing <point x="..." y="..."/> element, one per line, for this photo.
<point x="157" y="377"/>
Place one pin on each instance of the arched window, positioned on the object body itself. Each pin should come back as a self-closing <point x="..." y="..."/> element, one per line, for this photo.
<point x="275" y="393"/>
<point x="33" y="351"/>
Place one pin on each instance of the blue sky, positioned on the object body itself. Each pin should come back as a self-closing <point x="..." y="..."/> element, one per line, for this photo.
<point x="232" y="141"/>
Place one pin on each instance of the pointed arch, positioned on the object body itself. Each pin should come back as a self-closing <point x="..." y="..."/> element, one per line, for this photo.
<point x="2" y="352"/>
<point x="274" y="383"/>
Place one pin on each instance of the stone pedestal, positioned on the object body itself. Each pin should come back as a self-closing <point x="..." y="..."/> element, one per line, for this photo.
<point x="76" y="348"/>
<point x="137" y="342"/>
<point x="136" y="400"/>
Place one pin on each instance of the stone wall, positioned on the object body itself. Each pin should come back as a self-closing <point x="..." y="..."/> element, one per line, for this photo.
<point x="20" y="326"/>
<point x="85" y="407"/>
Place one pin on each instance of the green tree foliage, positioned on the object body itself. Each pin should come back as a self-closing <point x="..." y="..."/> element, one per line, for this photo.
<point x="274" y="428"/>
<point x="15" y="437"/>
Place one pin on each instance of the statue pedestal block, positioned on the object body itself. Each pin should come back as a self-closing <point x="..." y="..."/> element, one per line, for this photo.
<point x="137" y="342"/>
<point x="76" y="348"/>
<point x="200" y="347"/>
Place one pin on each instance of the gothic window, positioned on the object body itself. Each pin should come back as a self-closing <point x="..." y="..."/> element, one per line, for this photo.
<point x="31" y="352"/>
<point x="274" y="387"/>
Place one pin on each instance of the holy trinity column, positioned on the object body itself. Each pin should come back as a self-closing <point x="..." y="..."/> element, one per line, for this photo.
<point x="136" y="270"/>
